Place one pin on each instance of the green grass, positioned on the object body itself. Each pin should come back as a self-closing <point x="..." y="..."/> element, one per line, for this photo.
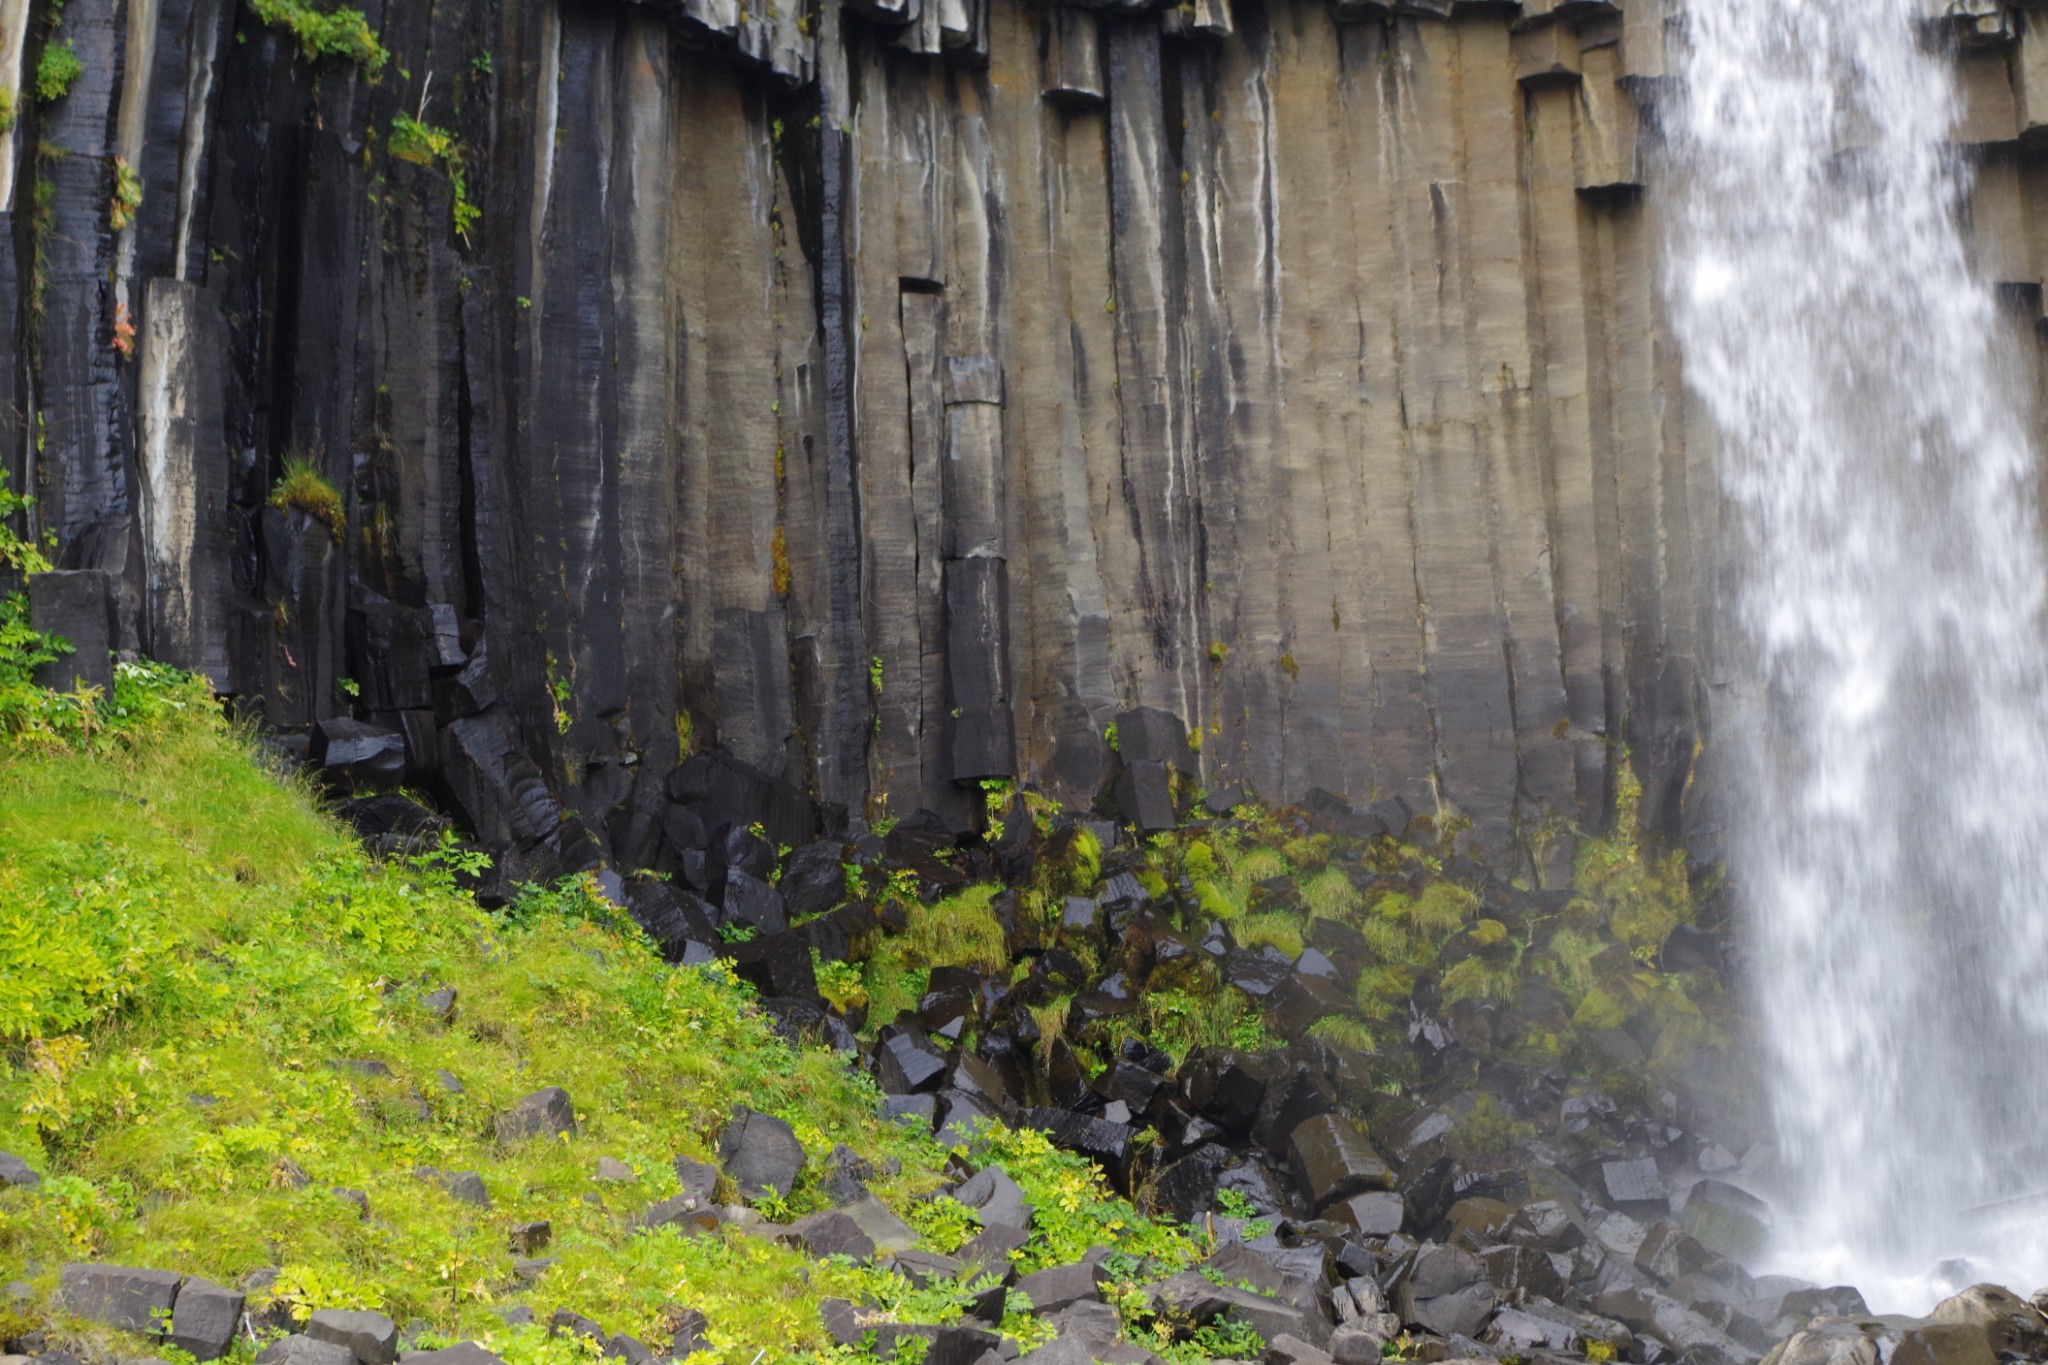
<point x="57" y="70"/>
<point x="342" y="32"/>
<point x="960" y="930"/>
<point x="303" y="488"/>
<point x="187" y="946"/>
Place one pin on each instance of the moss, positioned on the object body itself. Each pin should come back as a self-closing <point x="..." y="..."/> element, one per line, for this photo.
<point x="304" y="489"/>
<point x="961" y="930"/>
<point x="9" y="114"/>
<point x="57" y="70"/>
<point x="1330" y="895"/>
<point x="778" y="554"/>
<point x="341" y="32"/>
<point x="126" y="197"/>
<point x="1275" y="928"/>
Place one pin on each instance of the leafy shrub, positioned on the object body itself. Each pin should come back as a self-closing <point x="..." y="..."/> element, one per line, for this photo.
<point x="303" y="488"/>
<point x="437" y="148"/>
<point x="57" y="70"/>
<point x="341" y="32"/>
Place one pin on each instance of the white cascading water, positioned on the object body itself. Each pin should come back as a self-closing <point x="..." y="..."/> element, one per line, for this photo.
<point x="1887" y="577"/>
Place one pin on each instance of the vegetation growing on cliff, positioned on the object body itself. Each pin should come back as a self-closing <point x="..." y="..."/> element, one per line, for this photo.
<point x="303" y="488"/>
<point x="221" y="1043"/>
<point x="57" y="70"/>
<point x="341" y="32"/>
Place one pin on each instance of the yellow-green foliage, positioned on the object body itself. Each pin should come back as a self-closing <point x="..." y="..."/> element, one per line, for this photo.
<point x="1644" y="894"/>
<point x="187" y="947"/>
<point x="1330" y="895"/>
<point x="1486" y="1129"/>
<point x="340" y="32"/>
<point x="1178" y="1022"/>
<point x="1277" y="928"/>
<point x="959" y="931"/>
<point x="305" y="489"/>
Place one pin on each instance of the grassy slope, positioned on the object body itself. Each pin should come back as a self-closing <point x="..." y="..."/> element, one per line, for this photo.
<point x="186" y="948"/>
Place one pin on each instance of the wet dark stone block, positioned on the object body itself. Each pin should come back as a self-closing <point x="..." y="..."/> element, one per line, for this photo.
<point x="906" y="1063"/>
<point x="806" y="1023"/>
<point x="761" y="1154"/>
<point x="352" y="756"/>
<point x="1302" y="1000"/>
<point x="1633" y="1181"/>
<point x="775" y="964"/>
<point x="1060" y="1287"/>
<point x="671" y="916"/>
<point x="1299" y="1093"/>
<point x="393" y="653"/>
<point x="741" y="850"/>
<point x="814" y="878"/>
<point x="1147" y="734"/>
<point x="205" y="1318"/>
<point x="76" y="604"/>
<point x="1258" y="972"/>
<point x="747" y="899"/>
<point x="122" y="1297"/>
<point x="722" y="790"/>
<point x="1726" y="1219"/>
<point x="392" y="813"/>
<point x="996" y="1199"/>
<point x="1331" y="1160"/>
<point x="1226" y="1087"/>
<point x="949" y="999"/>
<point x="1108" y="1145"/>
<point x="1145" y="797"/>
<point x="830" y="1233"/>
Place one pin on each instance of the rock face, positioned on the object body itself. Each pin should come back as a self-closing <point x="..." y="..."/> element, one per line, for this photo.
<point x="891" y="396"/>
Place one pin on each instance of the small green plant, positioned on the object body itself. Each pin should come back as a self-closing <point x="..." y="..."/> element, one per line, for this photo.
<point x="839" y="984"/>
<point x="1109" y="737"/>
<point x="1218" y="653"/>
<point x="348" y="687"/>
<point x="875" y="675"/>
<point x="126" y="198"/>
<point x="439" y="149"/>
<point x="8" y="113"/>
<point x="943" y="1224"/>
<point x="57" y="70"/>
<point x="1234" y="1204"/>
<point x="303" y="488"/>
<point x="560" y="690"/>
<point x="342" y="32"/>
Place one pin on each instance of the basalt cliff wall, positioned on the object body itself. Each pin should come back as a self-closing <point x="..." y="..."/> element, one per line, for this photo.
<point x="892" y="394"/>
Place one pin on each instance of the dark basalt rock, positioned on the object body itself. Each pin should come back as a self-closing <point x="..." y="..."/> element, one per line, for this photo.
<point x="1226" y="1087"/>
<point x="122" y="1297"/>
<point x="1331" y="1160"/>
<point x="464" y="1187"/>
<point x="1109" y="1145"/>
<point x="995" y="1199"/>
<point x="1145" y="797"/>
<point x="830" y="1233"/>
<point x="777" y="965"/>
<point x="304" y="1350"/>
<point x="748" y="900"/>
<point x="674" y="917"/>
<point x="544" y="1113"/>
<point x="205" y="1319"/>
<point x="371" y="1338"/>
<point x="78" y="606"/>
<point x="1727" y="1220"/>
<point x="1056" y="1288"/>
<point x="761" y="1154"/>
<point x="906" y="1063"/>
<point x="18" y="1173"/>
<point x="354" y="757"/>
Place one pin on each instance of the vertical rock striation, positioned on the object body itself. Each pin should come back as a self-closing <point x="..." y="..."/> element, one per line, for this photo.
<point x="892" y="393"/>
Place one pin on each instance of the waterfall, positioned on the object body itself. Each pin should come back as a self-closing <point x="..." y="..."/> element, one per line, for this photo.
<point x="1885" y="589"/>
